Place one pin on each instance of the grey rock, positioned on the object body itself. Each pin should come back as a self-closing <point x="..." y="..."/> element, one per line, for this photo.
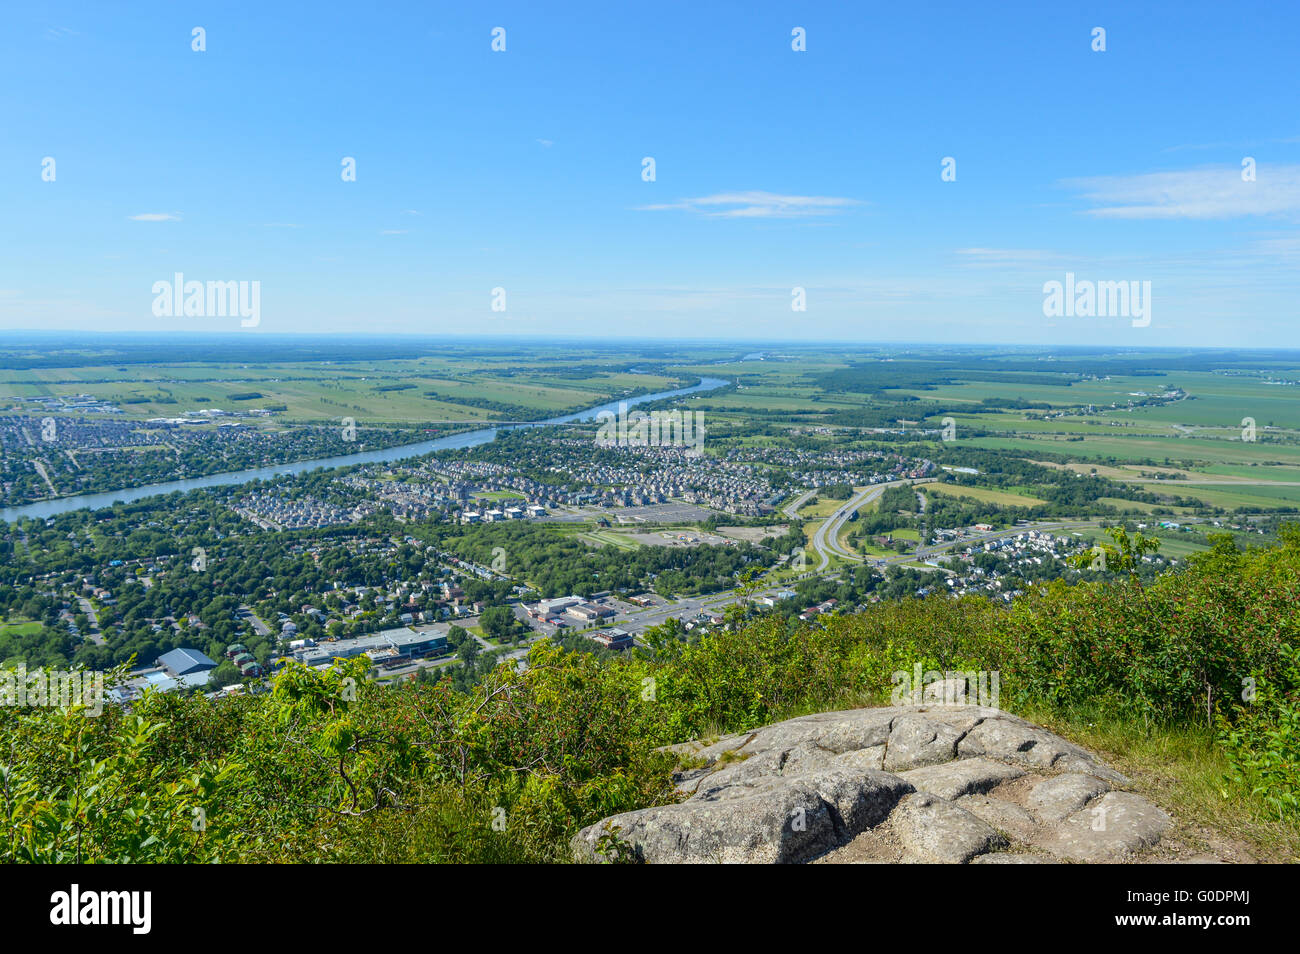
<point x="936" y="831"/>
<point x="1017" y="742"/>
<point x="948" y="692"/>
<point x="858" y="799"/>
<point x="967" y="777"/>
<point x="712" y="751"/>
<point x="827" y="787"/>
<point x="837" y="731"/>
<point x="915" y="741"/>
<point x="1056" y="798"/>
<point x="1112" y="828"/>
<point x="772" y="821"/>
<point x="689" y="782"/>
<point x="807" y="757"/>
<point x="868" y="758"/>
<point x="733" y="778"/>
<point x="1087" y="765"/>
<point x="787" y="824"/>
<point x="1006" y="817"/>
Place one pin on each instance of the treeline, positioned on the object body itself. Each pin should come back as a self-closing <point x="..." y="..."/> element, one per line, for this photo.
<point x="878" y="378"/>
<point x="557" y="563"/>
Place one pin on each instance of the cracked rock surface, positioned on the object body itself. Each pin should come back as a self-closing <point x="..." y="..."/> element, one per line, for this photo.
<point x="914" y="784"/>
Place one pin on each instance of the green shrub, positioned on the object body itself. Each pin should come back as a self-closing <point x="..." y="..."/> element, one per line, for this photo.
<point x="1262" y="742"/>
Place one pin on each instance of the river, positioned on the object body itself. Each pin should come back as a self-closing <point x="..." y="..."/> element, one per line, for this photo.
<point x="97" y="501"/>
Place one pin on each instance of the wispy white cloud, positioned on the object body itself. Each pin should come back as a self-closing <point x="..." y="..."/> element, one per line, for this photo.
<point x="757" y="205"/>
<point x="1206" y="193"/>
<point x="546" y="143"/>
<point x="156" y="217"/>
<point x="394" y="231"/>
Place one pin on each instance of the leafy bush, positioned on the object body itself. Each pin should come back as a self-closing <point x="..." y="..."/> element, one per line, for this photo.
<point x="1262" y="743"/>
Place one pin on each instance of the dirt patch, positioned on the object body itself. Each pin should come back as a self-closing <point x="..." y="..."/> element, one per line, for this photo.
<point x="754" y="534"/>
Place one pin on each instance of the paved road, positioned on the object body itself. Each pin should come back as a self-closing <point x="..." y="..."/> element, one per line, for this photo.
<point x="259" y="624"/>
<point x="791" y="509"/>
<point x="826" y="540"/>
<point x="95" y="636"/>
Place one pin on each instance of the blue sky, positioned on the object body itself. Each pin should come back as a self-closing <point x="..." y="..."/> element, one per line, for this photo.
<point x="774" y="168"/>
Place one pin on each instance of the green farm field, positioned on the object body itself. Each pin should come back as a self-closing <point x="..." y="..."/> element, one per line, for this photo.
<point x="404" y="391"/>
<point x="985" y="494"/>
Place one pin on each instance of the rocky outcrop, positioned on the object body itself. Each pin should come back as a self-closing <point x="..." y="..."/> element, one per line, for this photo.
<point x="920" y="783"/>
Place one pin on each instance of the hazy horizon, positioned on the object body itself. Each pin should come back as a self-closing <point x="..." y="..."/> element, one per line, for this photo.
<point x="731" y="343"/>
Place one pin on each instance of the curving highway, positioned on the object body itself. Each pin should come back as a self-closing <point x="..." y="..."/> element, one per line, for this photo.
<point x="826" y="539"/>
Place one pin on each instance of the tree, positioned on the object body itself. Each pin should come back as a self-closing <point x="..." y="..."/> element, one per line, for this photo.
<point x="468" y="653"/>
<point x="498" y="622"/>
<point x="1123" y="557"/>
<point x="226" y="674"/>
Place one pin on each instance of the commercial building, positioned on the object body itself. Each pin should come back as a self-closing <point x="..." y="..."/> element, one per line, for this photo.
<point x="391" y="644"/>
<point x="186" y="662"/>
<point x="613" y="639"/>
<point x="589" y="612"/>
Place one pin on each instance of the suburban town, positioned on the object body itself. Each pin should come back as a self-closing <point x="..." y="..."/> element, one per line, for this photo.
<point x="427" y="620"/>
